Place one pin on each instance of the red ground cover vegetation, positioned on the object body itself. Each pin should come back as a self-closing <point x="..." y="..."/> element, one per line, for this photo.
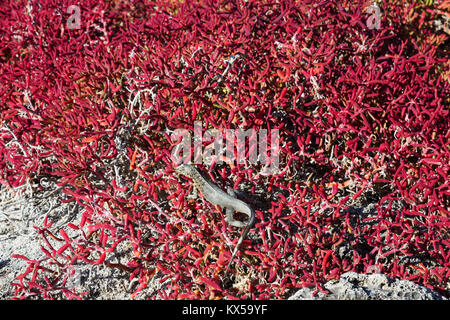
<point x="364" y="139"/>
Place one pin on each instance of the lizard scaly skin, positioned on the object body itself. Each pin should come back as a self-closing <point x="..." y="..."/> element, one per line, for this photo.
<point x="216" y="196"/>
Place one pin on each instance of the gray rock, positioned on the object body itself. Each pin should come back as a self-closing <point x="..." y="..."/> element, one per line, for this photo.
<point x="354" y="286"/>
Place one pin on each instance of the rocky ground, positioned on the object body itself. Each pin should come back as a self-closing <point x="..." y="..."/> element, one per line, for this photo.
<point x="19" y="212"/>
<point x="354" y="286"/>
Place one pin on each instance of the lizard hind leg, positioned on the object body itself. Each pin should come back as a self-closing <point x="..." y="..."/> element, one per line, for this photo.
<point x="229" y="212"/>
<point x="230" y="219"/>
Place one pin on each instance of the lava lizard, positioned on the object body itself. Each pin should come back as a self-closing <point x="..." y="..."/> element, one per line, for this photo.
<point x="216" y="196"/>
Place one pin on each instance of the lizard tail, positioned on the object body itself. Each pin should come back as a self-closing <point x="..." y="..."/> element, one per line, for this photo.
<point x="241" y="239"/>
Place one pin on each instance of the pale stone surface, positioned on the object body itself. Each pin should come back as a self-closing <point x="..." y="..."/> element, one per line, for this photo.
<point x="354" y="286"/>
